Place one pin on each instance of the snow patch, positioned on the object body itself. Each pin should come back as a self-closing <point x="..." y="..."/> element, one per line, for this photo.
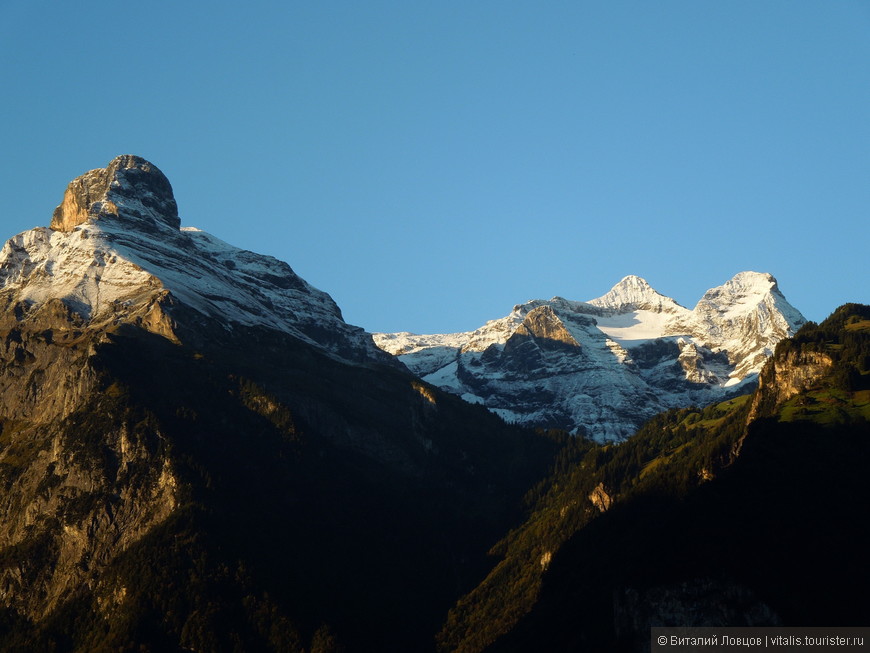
<point x="105" y="268"/>
<point x="635" y="328"/>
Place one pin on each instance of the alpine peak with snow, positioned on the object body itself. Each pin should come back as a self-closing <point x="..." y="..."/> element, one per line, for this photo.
<point x="116" y="254"/>
<point x="634" y="293"/>
<point x="604" y="366"/>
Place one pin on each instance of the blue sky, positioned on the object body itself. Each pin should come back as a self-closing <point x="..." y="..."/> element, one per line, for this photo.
<point x="431" y="164"/>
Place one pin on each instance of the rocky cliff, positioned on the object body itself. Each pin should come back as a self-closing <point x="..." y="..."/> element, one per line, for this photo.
<point x="786" y="376"/>
<point x="129" y="189"/>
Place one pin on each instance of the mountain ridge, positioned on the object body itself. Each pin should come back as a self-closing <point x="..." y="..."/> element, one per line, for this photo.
<point x="197" y="453"/>
<point x="116" y="252"/>
<point x="649" y="346"/>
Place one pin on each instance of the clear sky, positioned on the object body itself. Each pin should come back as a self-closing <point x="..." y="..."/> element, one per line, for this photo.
<point x="431" y="164"/>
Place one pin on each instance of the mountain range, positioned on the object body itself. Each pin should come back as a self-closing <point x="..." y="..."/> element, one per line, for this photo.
<point x="197" y="452"/>
<point x="603" y="367"/>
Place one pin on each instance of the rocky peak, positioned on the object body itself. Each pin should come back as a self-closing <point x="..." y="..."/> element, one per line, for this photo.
<point x="542" y="322"/>
<point x="115" y="255"/>
<point x="129" y="188"/>
<point x="634" y="293"/>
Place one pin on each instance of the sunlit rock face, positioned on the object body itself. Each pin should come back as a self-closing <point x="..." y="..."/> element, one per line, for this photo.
<point x="129" y="187"/>
<point x="786" y="376"/>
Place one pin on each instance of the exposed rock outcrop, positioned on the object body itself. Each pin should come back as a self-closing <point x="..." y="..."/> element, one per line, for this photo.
<point x="122" y="190"/>
<point x="786" y="376"/>
<point x="75" y="514"/>
<point x="601" y="498"/>
<point x="542" y="323"/>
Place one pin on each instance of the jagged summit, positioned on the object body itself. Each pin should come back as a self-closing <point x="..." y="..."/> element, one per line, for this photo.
<point x="634" y="293"/>
<point x="115" y="254"/>
<point x="129" y="188"/>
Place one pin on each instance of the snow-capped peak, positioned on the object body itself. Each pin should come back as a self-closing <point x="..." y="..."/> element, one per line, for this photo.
<point x="746" y="294"/>
<point x="633" y="293"/>
<point x="743" y="288"/>
<point x="602" y="367"/>
<point x="746" y="316"/>
<point x="115" y="253"/>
